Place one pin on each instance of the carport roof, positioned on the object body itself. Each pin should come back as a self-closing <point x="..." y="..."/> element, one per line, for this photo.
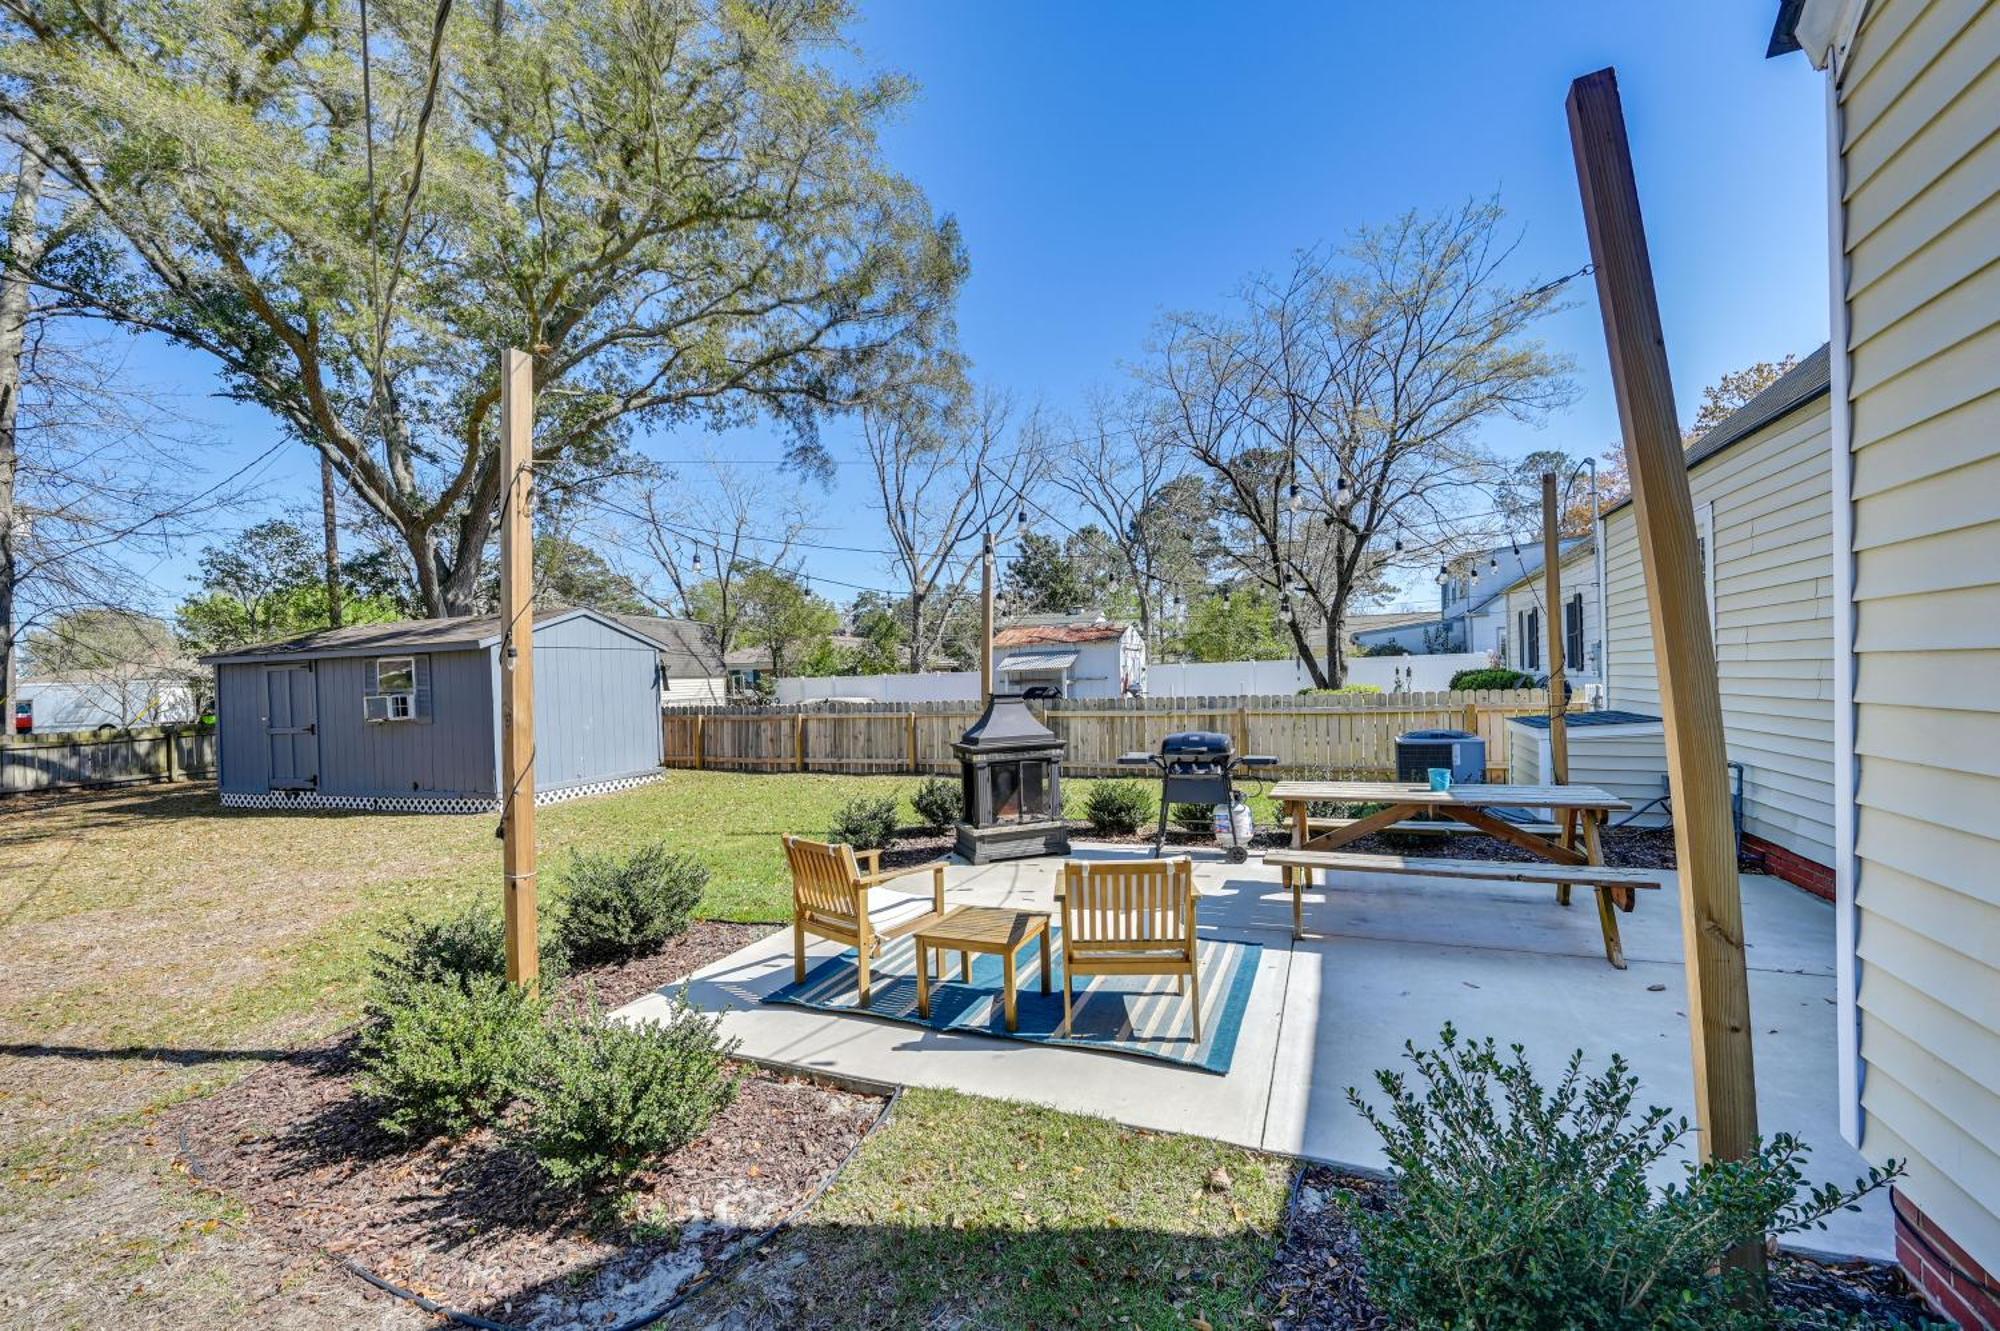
<point x="1024" y="661"/>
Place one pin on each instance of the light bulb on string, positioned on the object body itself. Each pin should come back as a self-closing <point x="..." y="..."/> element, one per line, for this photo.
<point x="1399" y="540"/>
<point x="1342" y="496"/>
<point x="1494" y="564"/>
<point x="1444" y="575"/>
<point x="1292" y="496"/>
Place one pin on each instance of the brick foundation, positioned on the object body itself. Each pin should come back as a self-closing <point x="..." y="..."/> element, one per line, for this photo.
<point x="1794" y="868"/>
<point x="1955" y="1284"/>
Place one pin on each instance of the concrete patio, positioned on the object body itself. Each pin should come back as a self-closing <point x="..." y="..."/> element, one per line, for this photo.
<point x="1385" y="960"/>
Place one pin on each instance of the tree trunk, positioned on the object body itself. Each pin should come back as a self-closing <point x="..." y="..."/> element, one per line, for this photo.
<point x="333" y="615"/>
<point x="25" y="240"/>
<point x="916" y="632"/>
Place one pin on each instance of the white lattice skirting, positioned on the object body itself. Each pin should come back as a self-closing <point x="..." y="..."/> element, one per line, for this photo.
<point x="313" y="799"/>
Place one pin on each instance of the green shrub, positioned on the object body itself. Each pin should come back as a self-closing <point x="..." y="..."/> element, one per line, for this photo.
<point x="1347" y="689"/>
<point x="599" y="1099"/>
<point x="1192" y="818"/>
<point x="619" y="906"/>
<point x="1491" y="677"/>
<point x="1118" y="808"/>
<point x="441" y="1056"/>
<point x="457" y="948"/>
<point x="866" y="822"/>
<point x="1520" y="1206"/>
<point x="939" y="801"/>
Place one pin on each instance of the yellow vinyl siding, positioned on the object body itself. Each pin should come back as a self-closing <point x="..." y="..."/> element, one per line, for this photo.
<point x="1921" y="157"/>
<point x="1773" y="545"/>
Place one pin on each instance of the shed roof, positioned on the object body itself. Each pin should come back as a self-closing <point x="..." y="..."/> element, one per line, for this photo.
<point x="458" y="633"/>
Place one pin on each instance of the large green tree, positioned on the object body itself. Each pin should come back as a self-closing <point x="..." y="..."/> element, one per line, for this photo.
<point x="784" y="618"/>
<point x="269" y="582"/>
<point x="676" y="205"/>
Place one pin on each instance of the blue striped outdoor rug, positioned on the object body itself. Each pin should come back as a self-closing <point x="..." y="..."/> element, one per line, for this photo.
<point x="1136" y="1014"/>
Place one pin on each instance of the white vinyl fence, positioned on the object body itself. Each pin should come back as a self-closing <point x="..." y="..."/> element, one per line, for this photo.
<point x="1184" y="679"/>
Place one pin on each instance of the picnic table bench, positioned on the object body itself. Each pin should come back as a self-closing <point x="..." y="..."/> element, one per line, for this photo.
<point x="1316" y="841"/>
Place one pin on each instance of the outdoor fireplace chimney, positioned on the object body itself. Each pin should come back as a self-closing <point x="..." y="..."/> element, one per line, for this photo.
<point x="1011" y="766"/>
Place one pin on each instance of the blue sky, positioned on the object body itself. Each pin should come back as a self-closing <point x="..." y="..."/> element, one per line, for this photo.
<point x="1110" y="161"/>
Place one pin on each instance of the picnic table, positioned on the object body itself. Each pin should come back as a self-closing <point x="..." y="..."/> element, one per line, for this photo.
<point x="1576" y="810"/>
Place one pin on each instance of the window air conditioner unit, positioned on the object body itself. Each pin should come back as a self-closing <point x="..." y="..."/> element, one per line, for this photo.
<point x="387" y="707"/>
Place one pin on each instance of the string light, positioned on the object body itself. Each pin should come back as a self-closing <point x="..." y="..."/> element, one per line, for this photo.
<point x="1444" y="575"/>
<point x="1342" y="496"/>
<point x="1292" y="496"/>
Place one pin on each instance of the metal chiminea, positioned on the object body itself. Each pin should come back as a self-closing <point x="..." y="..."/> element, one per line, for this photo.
<point x="1011" y="765"/>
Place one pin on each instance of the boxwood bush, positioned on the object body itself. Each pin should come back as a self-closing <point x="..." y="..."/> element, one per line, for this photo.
<point x="1194" y="819"/>
<point x="599" y="1099"/>
<point x="443" y="1056"/>
<point x="866" y="822"/>
<point x="614" y="907"/>
<point x="1520" y="1206"/>
<point x="455" y="948"/>
<point x="1118" y="808"/>
<point x="939" y="801"/>
<point x="1491" y="677"/>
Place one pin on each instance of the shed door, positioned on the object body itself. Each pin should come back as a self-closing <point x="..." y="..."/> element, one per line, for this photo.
<point x="289" y="727"/>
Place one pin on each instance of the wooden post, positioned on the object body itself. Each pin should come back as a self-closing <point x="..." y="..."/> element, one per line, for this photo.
<point x="699" y="719"/>
<point x="1553" y="624"/>
<point x="799" y="740"/>
<point x="1711" y="898"/>
<point x="517" y="663"/>
<point x="986" y="621"/>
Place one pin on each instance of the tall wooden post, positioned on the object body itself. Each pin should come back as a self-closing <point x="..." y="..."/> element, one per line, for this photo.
<point x="986" y="621"/>
<point x="1704" y="841"/>
<point x="1553" y="631"/>
<point x="1552" y="595"/>
<point x="517" y="663"/>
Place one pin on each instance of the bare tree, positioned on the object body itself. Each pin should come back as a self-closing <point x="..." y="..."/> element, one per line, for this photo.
<point x="942" y="481"/>
<point x="94" y="464"/>
<point x="1123" y="469"/>
<point x="704" y="530"/>
<point x="1342" y="400"/>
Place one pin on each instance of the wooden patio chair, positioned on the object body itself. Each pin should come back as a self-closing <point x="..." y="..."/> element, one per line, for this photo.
<point x="830" y="900"/>
<point x="1131" y="918"/>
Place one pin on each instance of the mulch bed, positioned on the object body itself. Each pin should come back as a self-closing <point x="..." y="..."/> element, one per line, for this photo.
<point x="472" y="1223"/>
<point x="1319" y="1279"/>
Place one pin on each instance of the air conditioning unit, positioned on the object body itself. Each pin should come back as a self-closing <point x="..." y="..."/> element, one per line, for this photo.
<point x="1420" y="750"/>
<point x="388" y="707"/>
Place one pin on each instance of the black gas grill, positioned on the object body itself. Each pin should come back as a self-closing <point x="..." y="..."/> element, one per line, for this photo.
<point x="1198" y="767"/>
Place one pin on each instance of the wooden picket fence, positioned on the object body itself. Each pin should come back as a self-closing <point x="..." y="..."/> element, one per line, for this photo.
<point x="1350" y="734"/>
<point x="87" y="759"/>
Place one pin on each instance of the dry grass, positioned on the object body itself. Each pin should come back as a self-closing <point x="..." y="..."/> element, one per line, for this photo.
<point x="154" y="945"/>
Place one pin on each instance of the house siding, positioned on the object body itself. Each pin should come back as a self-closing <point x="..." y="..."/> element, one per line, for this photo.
<point x="1630" y="762"/>
<point x="1765" y="507"/>
<point x="1920" y="205"/>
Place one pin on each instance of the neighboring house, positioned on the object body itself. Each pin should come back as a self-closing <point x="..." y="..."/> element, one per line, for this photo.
<point x="1080" y="656"/>
<point x="91" y="700"/>
<point x="1472" y="601"/>
<point x="1913" y="103"/>
<point x="1761" y="480"/>
<point x="748" y="670"/>
<point x="1525" y="645"/>
<point x="407" y="716"/>
<point x="691" y="670"/>
<point x="1414" y="631"/>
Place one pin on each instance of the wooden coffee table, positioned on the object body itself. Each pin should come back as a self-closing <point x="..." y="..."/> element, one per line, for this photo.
<point x="988" y="930"/>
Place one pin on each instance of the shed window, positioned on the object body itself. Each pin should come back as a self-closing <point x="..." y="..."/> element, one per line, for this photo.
<point x="398" y="689"/>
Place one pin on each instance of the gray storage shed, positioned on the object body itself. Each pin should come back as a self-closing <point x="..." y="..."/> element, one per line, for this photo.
<point x="407" y="716"/>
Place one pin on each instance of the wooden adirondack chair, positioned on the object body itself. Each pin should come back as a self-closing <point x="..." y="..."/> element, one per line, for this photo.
<point x="1131" y="918"/>
<point x="830" y="900"/>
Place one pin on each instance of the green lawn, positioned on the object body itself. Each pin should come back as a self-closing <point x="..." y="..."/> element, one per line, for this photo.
<point x="982" y="1213"/>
